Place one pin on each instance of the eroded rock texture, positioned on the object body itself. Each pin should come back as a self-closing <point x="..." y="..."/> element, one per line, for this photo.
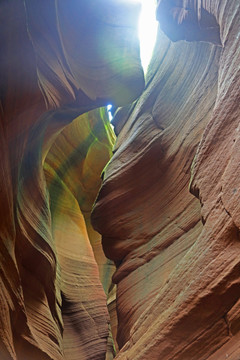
<point x="177" y="256"/>
<point x="58" y="61"/>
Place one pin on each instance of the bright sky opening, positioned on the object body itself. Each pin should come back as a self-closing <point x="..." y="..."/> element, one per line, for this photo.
<point x="109" y="107"/>
<point x="147" y="31"/>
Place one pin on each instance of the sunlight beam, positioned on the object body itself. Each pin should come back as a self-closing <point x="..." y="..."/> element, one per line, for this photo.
<point x="147" y="31"/>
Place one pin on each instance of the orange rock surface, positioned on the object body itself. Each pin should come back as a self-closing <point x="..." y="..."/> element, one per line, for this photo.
<point x="168" y="208"/>
<point x="56" y="64"/>
<point x="177" y="256"/>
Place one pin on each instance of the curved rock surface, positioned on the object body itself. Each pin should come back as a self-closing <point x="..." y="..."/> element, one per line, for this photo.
<point x="178" y="269"/>
<point x="168" y="209"/>
<point x="53" y="305"/>
<point x="72" y="170"/>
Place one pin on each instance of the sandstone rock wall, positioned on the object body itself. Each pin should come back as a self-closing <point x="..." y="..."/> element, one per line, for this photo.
<point x="168" y="209"/>
<point x="56" y="64"/>
<point x="177" y="256"/>
<point x="72" y="169"/>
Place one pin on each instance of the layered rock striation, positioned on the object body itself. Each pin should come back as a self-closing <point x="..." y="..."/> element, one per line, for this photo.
<point x="170" y="192"/>
<point x="58" y="61"/>
<point x="168" y="209"/>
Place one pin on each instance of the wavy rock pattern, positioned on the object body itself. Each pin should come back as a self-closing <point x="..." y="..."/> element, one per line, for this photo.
<point x="52" y="303"/>
<point x="72" y="168"/>
<point x="177" y="258"/>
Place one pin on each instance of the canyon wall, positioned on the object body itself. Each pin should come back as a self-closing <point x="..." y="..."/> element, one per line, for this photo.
<point x="58" y="61"/>
<point x="168" y="209"/>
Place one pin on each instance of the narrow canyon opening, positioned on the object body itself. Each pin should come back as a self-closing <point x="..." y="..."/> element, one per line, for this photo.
<point x="119" y="242"/>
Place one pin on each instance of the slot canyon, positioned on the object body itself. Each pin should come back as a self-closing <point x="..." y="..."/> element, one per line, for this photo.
<point x="119" y="240"/>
